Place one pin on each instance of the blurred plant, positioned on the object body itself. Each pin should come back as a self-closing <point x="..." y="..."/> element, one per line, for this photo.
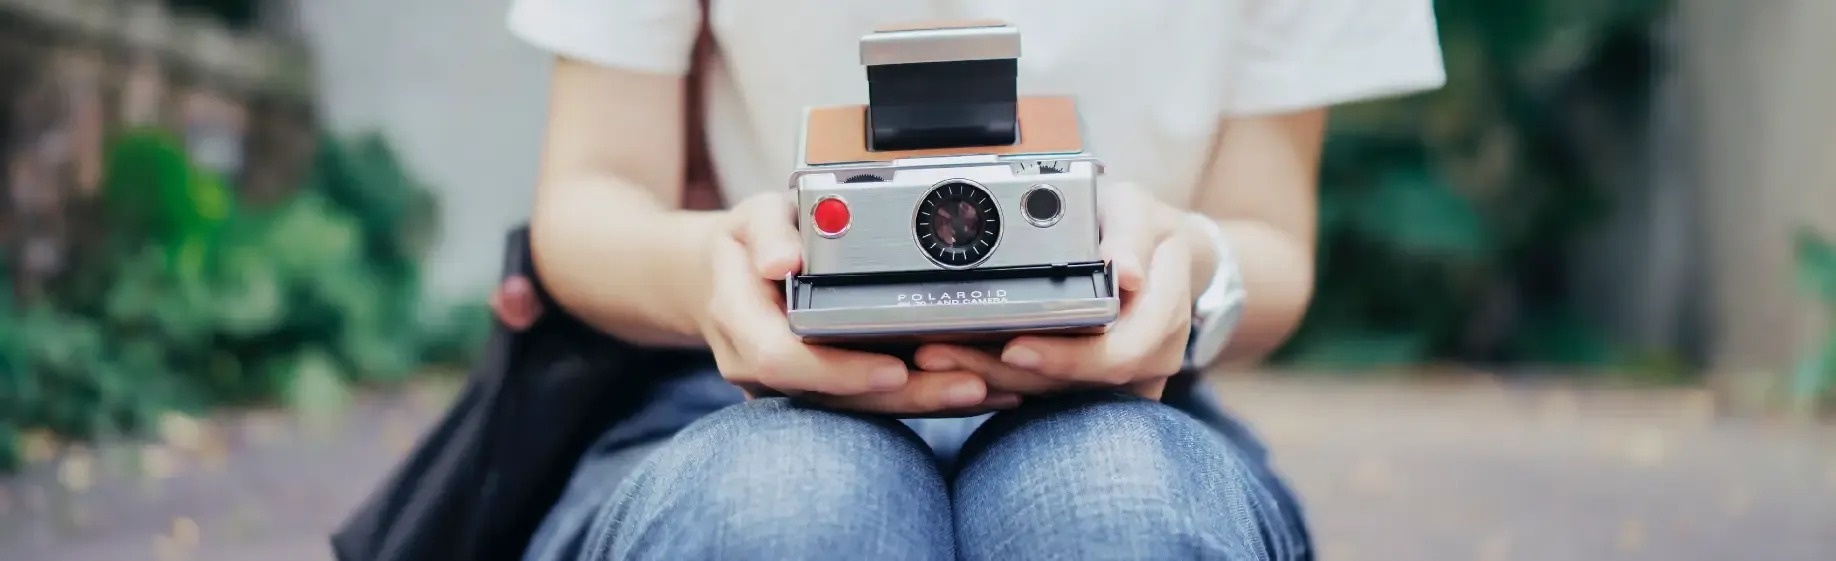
<point x="195" y="300"/>
<point x="1815" y="378"/>
<point x="1445" y="218"/>
<point x="239" y="13"/>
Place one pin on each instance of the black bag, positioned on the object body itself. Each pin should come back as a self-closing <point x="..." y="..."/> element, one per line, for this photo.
<point x="477" y="485"/>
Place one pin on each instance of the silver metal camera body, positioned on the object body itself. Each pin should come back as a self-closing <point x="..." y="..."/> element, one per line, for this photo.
<point x="981" y="224"/>
<point x="888" y="211"/>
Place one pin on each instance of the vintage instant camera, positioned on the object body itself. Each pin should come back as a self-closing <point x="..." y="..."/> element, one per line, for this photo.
<point x="947" y="208"/>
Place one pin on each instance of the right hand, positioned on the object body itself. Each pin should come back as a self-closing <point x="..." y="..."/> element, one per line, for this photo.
<point x="745" y="326"/>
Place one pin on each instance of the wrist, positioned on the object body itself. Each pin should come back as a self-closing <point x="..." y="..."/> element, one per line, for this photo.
<point x="700" y="230"/>
<point x="1218" y="298"/>
<point x="1196" y="228"/>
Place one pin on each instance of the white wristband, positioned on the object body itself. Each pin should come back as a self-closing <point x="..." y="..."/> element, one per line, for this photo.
<point x="1216" y="311"/>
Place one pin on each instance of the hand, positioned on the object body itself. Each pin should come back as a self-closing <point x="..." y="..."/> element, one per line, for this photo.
<point x="746" y="328"/>
<point x="1146" y="243"/>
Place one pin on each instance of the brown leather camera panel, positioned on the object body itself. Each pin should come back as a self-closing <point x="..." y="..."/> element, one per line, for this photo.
<point x="838" y="134"/>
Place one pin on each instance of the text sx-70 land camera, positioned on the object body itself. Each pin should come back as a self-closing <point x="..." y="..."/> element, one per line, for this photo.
<point x="949" y="207"/>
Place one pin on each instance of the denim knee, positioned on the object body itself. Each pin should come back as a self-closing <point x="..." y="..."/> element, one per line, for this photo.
<point x="772" y="479"/>
<point x="1111" y="477"/>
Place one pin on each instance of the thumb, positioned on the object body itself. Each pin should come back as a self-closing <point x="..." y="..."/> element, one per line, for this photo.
<point x="1125" y="240"/>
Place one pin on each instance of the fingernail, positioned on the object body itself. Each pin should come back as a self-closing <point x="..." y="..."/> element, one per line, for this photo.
<point x="1002" y="400"/>
<point x="963" y="394"/>
<point x="1022" y="357"/>
<point x="886" y="377"/>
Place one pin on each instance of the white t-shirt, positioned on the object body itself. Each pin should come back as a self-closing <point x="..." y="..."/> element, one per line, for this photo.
<point x="1152" y="78"/>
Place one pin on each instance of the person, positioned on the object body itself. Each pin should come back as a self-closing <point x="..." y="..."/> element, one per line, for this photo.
<point x="1210" y="117"/>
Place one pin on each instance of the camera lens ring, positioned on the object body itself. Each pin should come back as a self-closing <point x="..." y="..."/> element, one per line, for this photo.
<point x="957" y="224"/>
<point x="1028" y="204"/>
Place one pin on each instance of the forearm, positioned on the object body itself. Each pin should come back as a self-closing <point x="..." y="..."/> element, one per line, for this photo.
<point x="1262" y="189"/>
<point x="623" y="262"/>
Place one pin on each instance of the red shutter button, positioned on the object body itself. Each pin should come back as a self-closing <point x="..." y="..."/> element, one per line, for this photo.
<point x="831" y="217"/>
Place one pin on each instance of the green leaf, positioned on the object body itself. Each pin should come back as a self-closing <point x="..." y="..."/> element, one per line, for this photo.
<point x="307" y="237"/>
<point x="1817" y="266"/>
<point x="59" y="342"/>
<point x="1413" y="214"/>
<point x="1563" y="337"/>
<point x="365" y="178"/>
<point x="315" y="388"/>
<point x="248" y="295"/>
<point x="153" y="191"/>
<point x="1816" y="374"/>
<point x="11" y="457"/>
<point x="192" y="300"/>
<point x="145" y="181"/>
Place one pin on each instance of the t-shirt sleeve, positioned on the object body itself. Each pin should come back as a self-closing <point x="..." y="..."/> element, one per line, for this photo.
<point x="1300" y="54"/>
<point x="639" y="35"/>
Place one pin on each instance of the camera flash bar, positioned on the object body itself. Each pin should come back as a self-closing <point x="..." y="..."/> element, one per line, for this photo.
<point x="941" y="85"/>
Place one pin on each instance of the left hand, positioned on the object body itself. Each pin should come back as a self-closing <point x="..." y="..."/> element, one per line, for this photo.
<point x="1146" y="243"/>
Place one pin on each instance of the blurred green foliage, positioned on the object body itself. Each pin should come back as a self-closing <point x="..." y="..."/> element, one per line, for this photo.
<point x="1447" y="220"/>
<point x="1815" y="378"/>
<point x="238" y="13"/>
<point x="195" y="300"/>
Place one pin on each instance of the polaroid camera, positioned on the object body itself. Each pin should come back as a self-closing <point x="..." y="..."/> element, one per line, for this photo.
<point x="948" y="208"/>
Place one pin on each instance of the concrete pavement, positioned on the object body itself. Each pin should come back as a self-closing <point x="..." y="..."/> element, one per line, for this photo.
<point x="1390" y="471"/>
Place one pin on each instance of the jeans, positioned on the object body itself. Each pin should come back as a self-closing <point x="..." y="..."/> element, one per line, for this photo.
<point x="1085" y="476"/>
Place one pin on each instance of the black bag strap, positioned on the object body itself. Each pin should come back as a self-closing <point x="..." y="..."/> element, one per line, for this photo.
<point x="561" y="383"/>
<point x="421" y="496"/>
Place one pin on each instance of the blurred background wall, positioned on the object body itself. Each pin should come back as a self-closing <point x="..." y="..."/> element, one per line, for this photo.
<point x="462" y="100"/>
<point x="1761" y="93"/>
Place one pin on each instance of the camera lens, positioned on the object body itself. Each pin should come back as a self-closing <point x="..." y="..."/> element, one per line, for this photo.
<point x="1042" y="205"/>
<point x="957" y="224"/>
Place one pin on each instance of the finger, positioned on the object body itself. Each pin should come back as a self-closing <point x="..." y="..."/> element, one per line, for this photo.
<point x="726" y="360"/>
<point x="514" y="302"/>
<point x="769" y="232"/>
<point x="754" y="390"/>
<point x="1150" y="389"/>
<point x="1126" y="241"/>
<point x="1135" y="344"/>
<point x="744" y="310"/>
<point x="730" y="274"/>
<point x="1001" y="400"/>
<point x="999" y="376"/>
<point x="926" y="393"/>
<point x="749" y="316"/>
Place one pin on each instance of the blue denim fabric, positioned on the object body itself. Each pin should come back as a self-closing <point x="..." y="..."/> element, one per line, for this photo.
<point x="1085" y="476"/>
